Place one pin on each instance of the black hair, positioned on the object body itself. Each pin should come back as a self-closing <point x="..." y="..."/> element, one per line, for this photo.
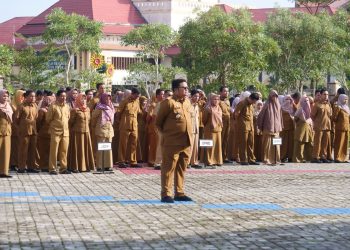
<point x="222" y="88"/>
<point x="231" y="100"/>
<point x="60" y="91"/>
<point x="28" y="92"/>
<point x="341" y="91"/>
<point x="135" y="91"/>
<point x="68" y="89"/>
<point x="99" y="84"/>
<point x="317" y="91"/>
<point x="176" y="83"/>
<point x="48" y="93"/>
<point x="87" y="91"/>
<point x="194" y="91"/>
<point x="237" y="95"/>
<point x="254" y="96"/>
<point x="323" y="90"/>
<point x="39" y="93"/>
<point x="159" y="91"/>
<point x="296" y="95"/>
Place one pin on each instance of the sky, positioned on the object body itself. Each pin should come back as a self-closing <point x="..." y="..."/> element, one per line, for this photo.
<point x="15" y="8"/>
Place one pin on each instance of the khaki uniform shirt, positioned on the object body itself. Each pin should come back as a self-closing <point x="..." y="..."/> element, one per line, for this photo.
<point x="321" y="115"/>
<point x="341" y="119"/>
<point x="244" y="113"/>
<point x="208" y="125"/>
<point x="303" y="131"/>
<point x="225" y="107"/>
<point x="129" y="110"/>
<point x="26" y="119"/>
<point x="42" y="125"/>
<point x="105" y="131"/>
<point x="58" y="117"/>
<point x="5" y="124"/>
<point x="174" y="121"/>
<point x="288" y="121"/>
<point x="79" y="120"/>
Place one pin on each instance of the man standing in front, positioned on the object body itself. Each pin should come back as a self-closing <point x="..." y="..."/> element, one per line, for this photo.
<point x="225" y="107"/>
<point x="321" y="114"/>
<point x="175" y="123"/>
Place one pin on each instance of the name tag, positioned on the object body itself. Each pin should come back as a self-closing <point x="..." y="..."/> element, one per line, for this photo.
<point x="104" y="146"/>
<point x="277" y="141"/>
<point x="206" y="143"/>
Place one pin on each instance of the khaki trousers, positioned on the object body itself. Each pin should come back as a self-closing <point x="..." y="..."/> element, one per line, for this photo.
<point x="245" y="141"/>
<point x="152" y="146"/>
<point x="14" y="150"/>
<point x="107" y="160"/>
<point x="174" y="165"/>
<point x="270" y="153"/>
<point x="27" y="152"/>
<point x="43" y="145"/>
<point x="194" y="149"/>
<point x="341" y="145"/>
<point x="302" y="151"/>
<point x="125" y="137"/>
<point x="159" y="149"/>
<point x="224" y="136"/>
<point x="287" y="146"/>
<point x="58" y="150"/>
<point x="321" y="143"/>
<point x="5" y="152"/>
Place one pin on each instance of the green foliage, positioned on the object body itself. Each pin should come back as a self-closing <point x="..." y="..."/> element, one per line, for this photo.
<point x="86" y="79"/>
<point x="6" y="60"/>
<point x="72" y="33"/>
<point x="224" y="49"/>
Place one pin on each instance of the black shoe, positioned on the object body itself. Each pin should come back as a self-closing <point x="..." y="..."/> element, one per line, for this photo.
<point x="228" y="161"/>
<point x="196" y="166"/>
<point x="13" y="168"/>
<point x="337" y="161"/>
<point x="75" y="171"/>
<point x="135" y="166"/>
<point x="66" y="172"/>
<point x="122" y="165"/>
<point x="325" y="161"/>
<point x="182" y="198"/>
<point x="5" y="176"/>
<point x="316" y="161"/>
<point x="167" y="199"/>
<point x="45" y="170"/>
<point x="244" y="163"/>
<point x="53" y="173"/>
<point x="284" y="160"/>
<point x="31" y="170"/>
<point x="21" y="171"/>
<point x="219" y="165"/>
<point x="156" y="167"/>
<point x="254" y="163"/>
<point x="108" y="169"/>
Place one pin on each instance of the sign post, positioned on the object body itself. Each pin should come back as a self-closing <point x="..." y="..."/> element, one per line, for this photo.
<point x="276" y="142"/>
<point x="205" y="144"/>
<point x="104" y="146"/>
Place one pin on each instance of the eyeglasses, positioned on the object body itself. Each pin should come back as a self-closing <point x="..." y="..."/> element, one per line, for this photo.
<point x="185" y="88"/>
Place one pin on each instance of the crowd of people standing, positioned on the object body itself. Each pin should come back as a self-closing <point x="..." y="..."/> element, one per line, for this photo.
<point x="39" y="129"/>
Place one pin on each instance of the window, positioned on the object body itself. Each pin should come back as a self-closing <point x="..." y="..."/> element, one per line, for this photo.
<point x="123" y="63"/>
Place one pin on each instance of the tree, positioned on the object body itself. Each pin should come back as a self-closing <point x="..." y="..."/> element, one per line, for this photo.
<point x="73" y="34"/>
<point x="6" y="60"/>
<point x="314" y="6"/>
<point x="228" y="49"/>
<point x="153" y="40"/>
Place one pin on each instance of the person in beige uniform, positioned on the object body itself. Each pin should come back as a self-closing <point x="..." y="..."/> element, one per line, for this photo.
<point x="271" y="124"/>
<point x="129" y="110"/>
<point x="225" y="107"/>
<point x="102" y="125"/>
<point x="321" y="115"/>
<point x="16" y="102"/>
<point x="175" y="123"/>
<point x="80" y="156"/>
<point x="303" y="135"/>
<point x="6" y="113"/>
<point x="244" y="115"/>
<point x="287" y="134"/>
<point x="212" y="120"/>
<point x="195" y="129"/>
<point x="340" y="117"/>
<point x="142" y="151"/>
<point x="26" y="120"/>
<point x="58" y="117"/>
<point x="257" y="132"/>
<point x="42" y="125"/>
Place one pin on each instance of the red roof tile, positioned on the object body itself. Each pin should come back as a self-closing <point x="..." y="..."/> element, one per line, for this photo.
<point x="117" y="15"/>
<point x="8" y="28"/>
<point x="173" y="50"/>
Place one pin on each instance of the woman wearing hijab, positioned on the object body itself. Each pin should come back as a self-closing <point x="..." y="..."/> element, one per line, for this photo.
<point x="6" y="113"/>
<point x="102" y="124"/>
<point x="270" y="123"/>
<point x="71" y="98"/>
<point x="340" y="118"/>
<point x="287" y="133"/>
<point x="43" y="142"/>
<point x="303" y="134"/>
<point x="16" y="102"/>
<point x="212" y="120"/>
<point x="80" y="155"/>
<point x="257" y="132"/>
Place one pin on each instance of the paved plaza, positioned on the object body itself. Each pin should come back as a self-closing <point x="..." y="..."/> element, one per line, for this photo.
<point x="296" y="206"/>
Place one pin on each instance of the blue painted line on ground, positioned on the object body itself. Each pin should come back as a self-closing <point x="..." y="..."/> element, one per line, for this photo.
<point x="18" y="194"/>
<point x="77" y="198"/>
<point x="322" y="211"/>
<point x="244" y="206"/>
<point x="153" y="202"/>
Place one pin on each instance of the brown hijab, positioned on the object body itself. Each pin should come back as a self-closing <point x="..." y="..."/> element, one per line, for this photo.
<point x="216" y="112"/>
<point x="270" y="117"/>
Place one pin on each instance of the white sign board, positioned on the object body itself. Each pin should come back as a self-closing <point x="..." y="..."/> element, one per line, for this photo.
<point x="206" y="143"/>
<point x="276" y="141"/>
<point x="104" y="146"/>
